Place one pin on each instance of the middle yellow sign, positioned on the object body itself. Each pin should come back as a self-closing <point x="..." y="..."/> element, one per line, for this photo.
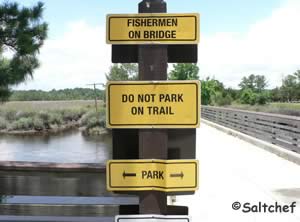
<point x="153" y="104"/>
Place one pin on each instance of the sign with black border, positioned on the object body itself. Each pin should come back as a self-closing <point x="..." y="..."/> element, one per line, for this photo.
<point x="160" y="175"/>
<point x="153" y="104"/>
<point x="152" y="28"/>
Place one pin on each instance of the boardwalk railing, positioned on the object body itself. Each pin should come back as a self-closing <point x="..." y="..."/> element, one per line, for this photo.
<point x="58" y="180"/>
<point x="63" y="192"/>
<point x="281" y="130"/>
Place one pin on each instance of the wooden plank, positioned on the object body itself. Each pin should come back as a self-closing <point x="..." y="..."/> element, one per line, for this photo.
<point x="287" y="139"/>
<point x="275" y="139"/>
<point x="244" y="124"/>
<point x="288" y="123"/>
<point x="287" y="146"/>
<point x="176" y="53"/>
<point x="290" y="119"/>
<point x="52" y="167"/>
<point x="276" y="129"/>
<point x="286" y="133"/>
<point x="171" y="210"/>
<point x="283" y="123"/>
<point x="58" y="210"/>
<point x="244" y="127"/>
<point x="274" y="124"/>
<point x="262" y="128"/>
<point x="53" y="183"/>
<point x="268" y="137"/>
<point x="208" y="116"/>
<point x="257" y="135"/>
<point x="55" y="219"/>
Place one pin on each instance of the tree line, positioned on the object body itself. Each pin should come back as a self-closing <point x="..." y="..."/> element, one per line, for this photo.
<point x="63" y="94"/>
<point x="252" y="89"/>
<point x="23" y="32"/>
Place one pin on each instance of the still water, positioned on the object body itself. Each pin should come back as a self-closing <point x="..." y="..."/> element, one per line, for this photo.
<point x="65" y="147"/>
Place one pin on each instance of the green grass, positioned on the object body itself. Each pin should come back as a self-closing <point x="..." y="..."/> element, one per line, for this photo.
<point x="48" y="105"/>
<point x="47" y="115"/>
<point x="294" y="106"/>
<point x="292" y="109"/>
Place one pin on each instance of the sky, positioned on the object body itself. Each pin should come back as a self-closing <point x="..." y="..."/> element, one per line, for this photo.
<point x="237" y="38"/>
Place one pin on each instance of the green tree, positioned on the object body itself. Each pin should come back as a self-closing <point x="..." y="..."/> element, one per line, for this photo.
<point x="276" y="95"/>
<point x="248" y="82"/>
<point x="289" y="87"/>
<point x="253" y="90"/>
<point x="248" y="97"/>
<point x="257" y="83"/>
<point x="131" y="69"/>
<point x="122" y="72"/>
<point x="297" y="74"/>
<point x="262" y="98"/>
<point x="222" y="99"/>
<point x="184" y="71"/>
<point x="210" y="89"/>
<point x="233" y="93"/>
<point x="260" y="83"/>
<point x="22" y="33"/>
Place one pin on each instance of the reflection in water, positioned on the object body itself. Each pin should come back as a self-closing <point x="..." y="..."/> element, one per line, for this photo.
<point x="64" y="147"/>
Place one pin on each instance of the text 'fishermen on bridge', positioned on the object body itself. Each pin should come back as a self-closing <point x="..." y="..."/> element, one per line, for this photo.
<point x="152" y="22"/>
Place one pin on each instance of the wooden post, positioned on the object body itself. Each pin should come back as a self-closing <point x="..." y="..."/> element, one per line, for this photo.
<point x="95" y="92"/>
<point x="153" y="61"/>
<point x="95" y="98"/>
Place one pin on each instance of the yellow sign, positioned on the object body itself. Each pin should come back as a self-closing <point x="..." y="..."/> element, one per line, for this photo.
<point x="153" y="28"/>
<point x="153" y="104"/>
<point x="161" y="175"/>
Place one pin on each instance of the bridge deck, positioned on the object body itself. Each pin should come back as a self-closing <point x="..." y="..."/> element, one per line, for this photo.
<point x="233" y="170"/>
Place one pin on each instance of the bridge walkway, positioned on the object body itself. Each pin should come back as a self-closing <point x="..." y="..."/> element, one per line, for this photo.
<point x="233" y="170"/>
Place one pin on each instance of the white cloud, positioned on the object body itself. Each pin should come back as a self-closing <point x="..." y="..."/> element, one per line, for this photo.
<point x="79" y="57"/>
<point x="270" y="47"/>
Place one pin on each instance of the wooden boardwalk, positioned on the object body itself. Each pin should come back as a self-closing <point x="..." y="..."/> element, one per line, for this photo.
<point x="281" y="130"/>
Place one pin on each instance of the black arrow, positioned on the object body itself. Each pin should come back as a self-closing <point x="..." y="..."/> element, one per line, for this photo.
<point x="128" y="174"/>
<point x="177" y="175"/>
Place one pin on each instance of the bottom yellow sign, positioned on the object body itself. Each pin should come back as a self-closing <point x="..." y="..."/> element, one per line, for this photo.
<point x="161" y="175"/>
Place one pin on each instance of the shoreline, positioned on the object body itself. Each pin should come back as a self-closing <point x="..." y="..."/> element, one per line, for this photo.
<point x="94" y="131"/>
<point x="55" y="130"/>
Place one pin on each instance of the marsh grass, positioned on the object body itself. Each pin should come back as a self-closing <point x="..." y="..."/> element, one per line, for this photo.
<point x="47" y="105"/>
<point x="49" y="115"/>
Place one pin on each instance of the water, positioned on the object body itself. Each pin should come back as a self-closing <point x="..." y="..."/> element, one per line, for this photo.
<point x="65" y="147"/>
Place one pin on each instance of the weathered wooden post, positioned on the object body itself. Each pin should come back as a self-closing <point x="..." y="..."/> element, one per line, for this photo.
<point x="153" y="63"/>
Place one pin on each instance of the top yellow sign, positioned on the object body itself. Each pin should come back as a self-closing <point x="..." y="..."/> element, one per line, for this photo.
<point x="153" y="28"/>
